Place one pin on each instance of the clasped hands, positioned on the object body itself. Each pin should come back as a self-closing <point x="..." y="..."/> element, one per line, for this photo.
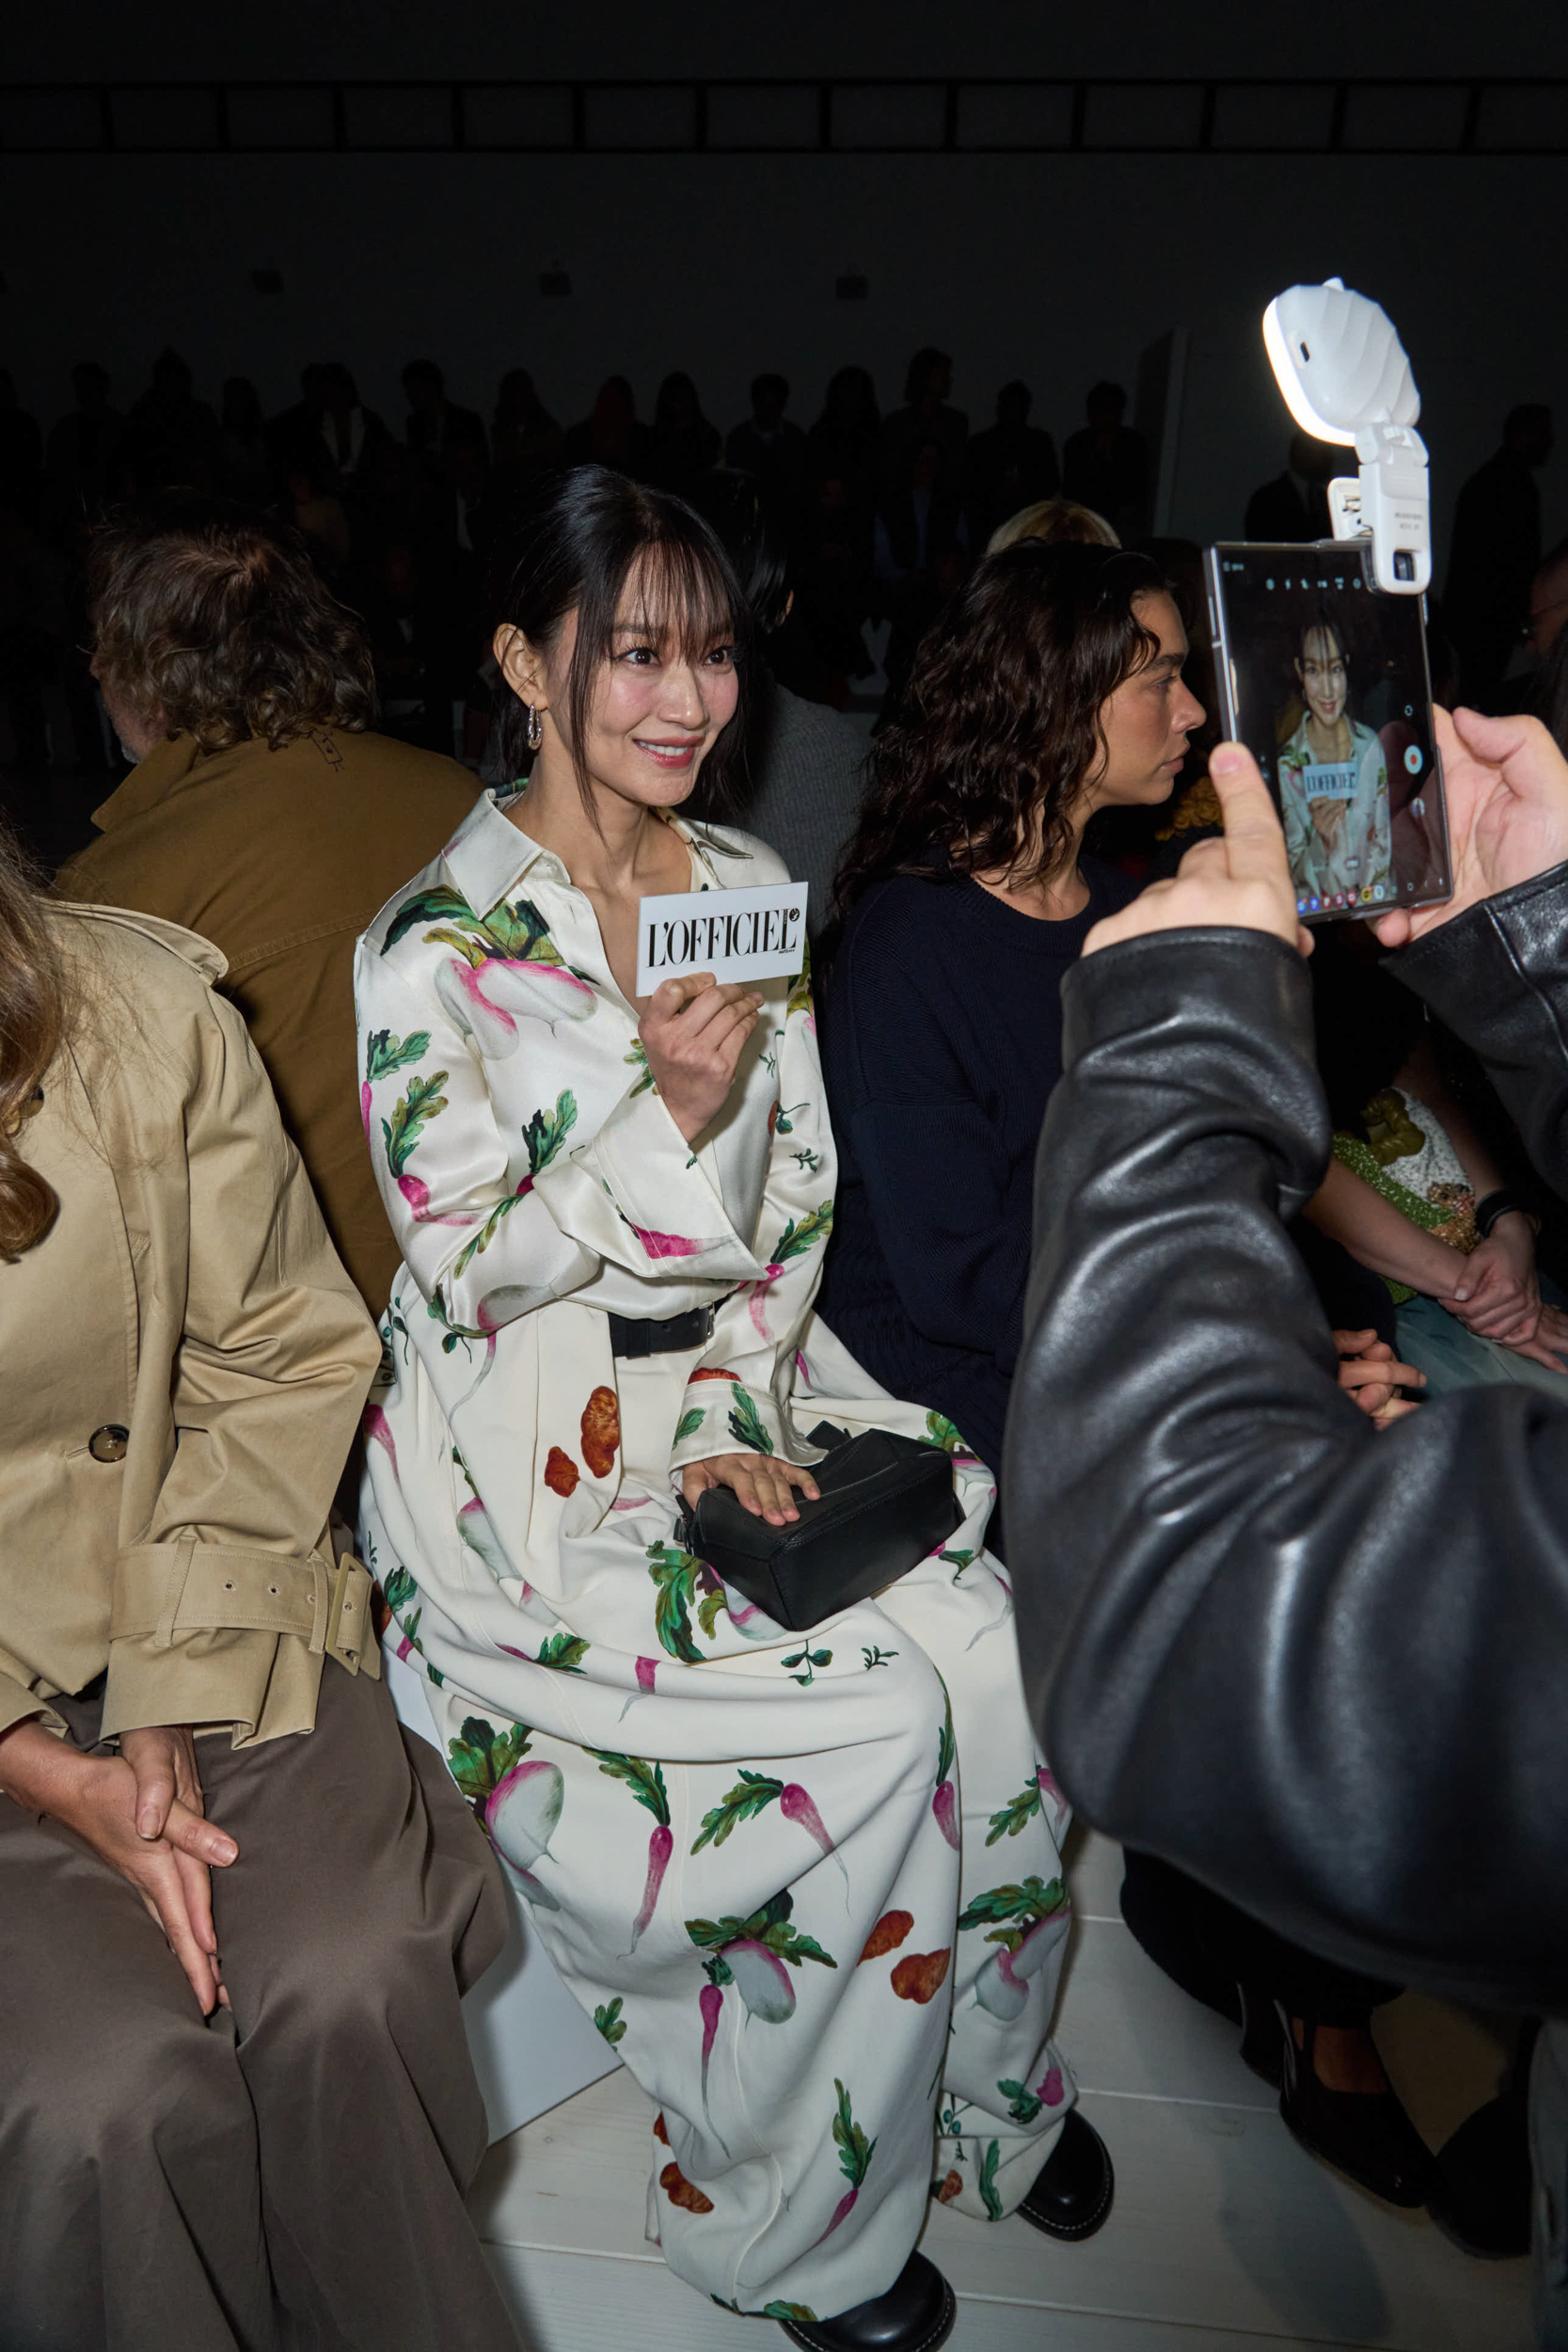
<point x="141" y="1812"/>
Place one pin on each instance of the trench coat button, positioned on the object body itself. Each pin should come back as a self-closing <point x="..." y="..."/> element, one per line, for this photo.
<point x="110" y="1443"/>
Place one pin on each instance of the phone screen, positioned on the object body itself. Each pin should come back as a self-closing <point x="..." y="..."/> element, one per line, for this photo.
<point x="1324" y="677"/>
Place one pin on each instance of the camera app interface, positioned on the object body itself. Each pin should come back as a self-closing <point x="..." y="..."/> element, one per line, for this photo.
<point x="1329" y="679"/>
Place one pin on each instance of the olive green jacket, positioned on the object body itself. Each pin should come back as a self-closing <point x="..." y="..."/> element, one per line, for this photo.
<point x="183" y="1363"/>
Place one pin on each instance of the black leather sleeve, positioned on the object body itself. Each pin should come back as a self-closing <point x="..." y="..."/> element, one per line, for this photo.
<point x="1498" y="976"/>
<point x="1322" y="1668"/>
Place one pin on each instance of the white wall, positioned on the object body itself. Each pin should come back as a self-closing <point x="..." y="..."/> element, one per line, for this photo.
<point x="1059" y="268"/>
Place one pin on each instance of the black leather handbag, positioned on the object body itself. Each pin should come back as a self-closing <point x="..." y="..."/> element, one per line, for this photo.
<point x="886" y="1502"/>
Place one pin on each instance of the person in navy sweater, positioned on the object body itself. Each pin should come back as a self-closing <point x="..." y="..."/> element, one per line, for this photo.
<point x="1049" y="687"/>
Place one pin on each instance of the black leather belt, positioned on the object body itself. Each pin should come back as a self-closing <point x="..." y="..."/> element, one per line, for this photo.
<point x="633" y="1335"/>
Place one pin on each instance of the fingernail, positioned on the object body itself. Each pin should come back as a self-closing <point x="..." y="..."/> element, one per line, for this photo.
<point x="147" y="1822"/>
<point x="224" y="1849"/>
<point x="1225" y="758"/>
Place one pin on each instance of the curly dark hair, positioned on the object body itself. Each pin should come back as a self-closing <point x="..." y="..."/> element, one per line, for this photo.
<point x="999" y="727"/>
<point x="212" y="622"/>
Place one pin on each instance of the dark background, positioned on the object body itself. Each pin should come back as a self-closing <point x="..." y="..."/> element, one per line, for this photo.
<point x="1061" y="267"/>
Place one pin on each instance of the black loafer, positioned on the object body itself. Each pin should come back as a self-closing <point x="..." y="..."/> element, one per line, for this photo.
<point x="1072" y="2191"/>
<point x="1364" y="2134"/>
<point x="914" y="2315"/>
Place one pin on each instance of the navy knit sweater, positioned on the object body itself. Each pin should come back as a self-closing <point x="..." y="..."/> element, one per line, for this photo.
<point x="943" y="1040"/>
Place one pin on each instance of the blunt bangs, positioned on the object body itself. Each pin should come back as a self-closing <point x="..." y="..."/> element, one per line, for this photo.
<point x="632" y="563"/>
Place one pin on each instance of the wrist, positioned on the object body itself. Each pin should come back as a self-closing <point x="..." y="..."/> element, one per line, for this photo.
<point x="39" y="1771"/>
<point x="1505" y="1209"/>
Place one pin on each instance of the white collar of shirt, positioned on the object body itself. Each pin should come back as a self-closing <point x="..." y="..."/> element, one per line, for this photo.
<point x="488" y="854"/>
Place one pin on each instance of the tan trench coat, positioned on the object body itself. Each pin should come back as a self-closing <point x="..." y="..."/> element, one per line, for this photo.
<point x="183" y="1363"/>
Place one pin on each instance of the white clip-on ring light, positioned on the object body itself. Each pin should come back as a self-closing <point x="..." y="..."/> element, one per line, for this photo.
<point x="1344" y="377"/>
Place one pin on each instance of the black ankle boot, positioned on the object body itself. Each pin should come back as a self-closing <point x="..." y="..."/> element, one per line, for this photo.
<point x="1366" y="2133"/>
<point x="1072" y="2191"/>
<point x="914" y="2315"/>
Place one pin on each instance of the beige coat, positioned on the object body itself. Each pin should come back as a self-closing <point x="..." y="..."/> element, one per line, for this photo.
<point x="183" y="1362"/>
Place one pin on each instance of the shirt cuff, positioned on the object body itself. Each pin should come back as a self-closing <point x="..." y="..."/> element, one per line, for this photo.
<point x="720" y="1413"/>
<point x="639" y="1196"/>
<point x="18" y="1703"/>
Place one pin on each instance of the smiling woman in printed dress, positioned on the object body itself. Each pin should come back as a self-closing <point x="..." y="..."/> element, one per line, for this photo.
<point x="1333" y="779"/>
<point x="810" y="1887"/>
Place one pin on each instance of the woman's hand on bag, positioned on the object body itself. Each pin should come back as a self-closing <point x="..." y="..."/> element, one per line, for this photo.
<point x="692" y="1034"/>
<point x="112" y="1803"/>
<point x="1503" y="1295"/>
<point x="763" y="1484"/>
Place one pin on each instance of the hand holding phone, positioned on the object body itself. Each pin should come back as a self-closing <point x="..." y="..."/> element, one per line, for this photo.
<point x="1324" y="677"/>
<point x="1508" y="812"/>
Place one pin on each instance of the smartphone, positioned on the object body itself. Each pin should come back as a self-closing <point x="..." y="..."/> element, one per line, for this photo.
<point x="1324" y="677"/>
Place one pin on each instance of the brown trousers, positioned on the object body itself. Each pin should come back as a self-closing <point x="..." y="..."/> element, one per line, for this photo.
<point x="290" y="2178"/>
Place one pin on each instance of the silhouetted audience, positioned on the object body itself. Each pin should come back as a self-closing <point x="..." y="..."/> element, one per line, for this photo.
<point x="436" y="426"/>
<point x="920" y="554"/>
<point x="611" y="434"/>
<point x="684" y="444"/>
<point x="1494" y="553"/>
<point x="925" y="421"/>
<point x="1294" y="507"/>
<point x="846" y="441"/>
<point x="1010" y="465"/>
<point x="246" y="472"/>
<point x="772" y="451"/>
<point x="348" y="429"/>
<point x="21" y="451"/>
<point x="171" y="437"/>
<point x="1105" y="466"/>
<point x="83" y="450"/>
<point x="524" y="437"/>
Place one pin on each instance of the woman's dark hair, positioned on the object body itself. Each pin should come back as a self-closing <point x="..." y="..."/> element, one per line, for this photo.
<point x="999" y="727"/>
<point x="676" y="391"/>
<point x="1322" y="623"/>
<point x="580" y="539"/>
<point x="849" y="404"/>
<point x="211" y="618"/>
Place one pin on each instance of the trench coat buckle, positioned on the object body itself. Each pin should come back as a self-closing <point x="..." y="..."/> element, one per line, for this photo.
<point x="350" y="1628"/>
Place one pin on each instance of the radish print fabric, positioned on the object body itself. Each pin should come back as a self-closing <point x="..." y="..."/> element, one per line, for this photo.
<point x="808" y="1887"/>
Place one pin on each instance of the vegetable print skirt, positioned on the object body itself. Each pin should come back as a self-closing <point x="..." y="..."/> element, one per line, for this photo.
<point x="810" y="1889"/>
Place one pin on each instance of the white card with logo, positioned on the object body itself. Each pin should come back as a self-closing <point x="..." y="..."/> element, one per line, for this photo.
<point x="736" y="934"/>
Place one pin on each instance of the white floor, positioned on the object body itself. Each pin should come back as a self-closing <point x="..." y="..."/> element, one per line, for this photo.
<point x="1224" y="2233"/>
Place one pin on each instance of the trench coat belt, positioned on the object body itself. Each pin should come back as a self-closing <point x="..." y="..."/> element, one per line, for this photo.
<point x="188" y="1587"/>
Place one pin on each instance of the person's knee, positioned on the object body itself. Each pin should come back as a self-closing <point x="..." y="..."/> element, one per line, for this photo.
<point x="101" y="2093"/>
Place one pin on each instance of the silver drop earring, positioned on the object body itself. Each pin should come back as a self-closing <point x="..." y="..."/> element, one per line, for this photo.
<point x="535" y="729"/>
